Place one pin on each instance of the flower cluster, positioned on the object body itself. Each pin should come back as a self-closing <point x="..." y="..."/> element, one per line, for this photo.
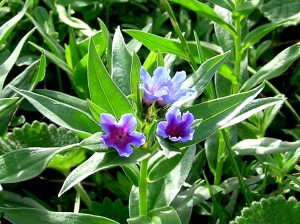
<point x="163" y="89"/>
<point x="160" y="89"/>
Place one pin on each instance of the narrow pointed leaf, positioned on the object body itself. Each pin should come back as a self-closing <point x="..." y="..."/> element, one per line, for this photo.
<point x="121" y="63"/>
<point x="104" y="92"/>
<point x="10" y="61"/>
<point x="100" y="161"/>
<point x="207" y="12"/>
<point x="65" y="114"/>
<point x="28" y="163"/>
<point x="32" y="215"/>
<point x="216" y="113"/>
<point x="275" y="67"/>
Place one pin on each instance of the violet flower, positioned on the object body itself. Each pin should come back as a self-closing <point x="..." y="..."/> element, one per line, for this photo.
<point x="175" y="89"/>
<point x="120" y="135"/>
<point x="161" y="88"/>
<point x="153" y="87"/>
<point x="176" y="128"/>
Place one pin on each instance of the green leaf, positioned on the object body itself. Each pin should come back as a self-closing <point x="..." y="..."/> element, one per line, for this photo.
<point x="8" y="27"/>
<point x="104" y="92"/>
<point x="217" y="113"/>
<point x="92" y="143"/>
<point x="10" y="61"/>
<point x="65" y="161"/>
<point x="244" y="9"/>
<point x="275" y="67"/>
<point x="174" y="47"/>
<point x="56" y="60"/>
<point x="160" y="215"/>
<point x="199" y="80"/>
<point x="112" y="210"/>
<point x="254" y="107"/>
<point x="14" y="200"/>
<point x="264" y="146"/>
<point x="132" y="172"/>
<point x="134" y="45"/>
<point x="84" y="28"/>
<point x="159" y="165"/>
<point x="270" y="210"/>
<point x="162" y="192"/>
<point x="207" y="12"/>
<point x="31" y="162"/>
<point x="30" y="215"/>
<point x="66" y="111"/>
<point x="227" y="4"/>
<point x="135" y="74"/>
<point x="257" y="34"/>
<point x="121" y="63"/>
<point x="99" y="161"/>
<point x="57" y="50"/>
<point x="40" y="135"/>
<point x="277" y="11"/>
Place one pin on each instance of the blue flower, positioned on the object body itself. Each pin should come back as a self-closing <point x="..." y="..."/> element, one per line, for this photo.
<point x="176" y="128"/>
<point x="120" y="135"/>
<point x="161" y="88"/>
<point x="153" y="87"/>
<point x="175" y="91"/>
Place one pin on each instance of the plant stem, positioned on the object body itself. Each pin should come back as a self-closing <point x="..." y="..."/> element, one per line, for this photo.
<point x="220" y="161"/>
<point x="143" y="186"/>
<point x="244" y="186"/>
<point x="179" y="33"/>
<point x="238" y="54"/>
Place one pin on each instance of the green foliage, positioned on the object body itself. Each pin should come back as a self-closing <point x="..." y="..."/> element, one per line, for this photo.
<point x="113" y="210"/>
<point x="270" y="210"/>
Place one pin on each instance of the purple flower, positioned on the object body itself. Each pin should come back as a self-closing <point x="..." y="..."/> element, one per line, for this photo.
<point x="175" y="89"/>
<point x="120" y="135"/>
<point x="162" y="88"/>
<point x="176" y="128"/>
<point x="153" y="87"/>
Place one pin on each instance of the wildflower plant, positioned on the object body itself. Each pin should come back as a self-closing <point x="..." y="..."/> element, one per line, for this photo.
<point x="147" y="122"/>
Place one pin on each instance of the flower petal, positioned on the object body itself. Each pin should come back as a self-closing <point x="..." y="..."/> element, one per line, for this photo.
<point x="128" y="122"/>
<point x="107" y="121"/>
<point x="137" y="138"/>
<point x="161" y="129"/>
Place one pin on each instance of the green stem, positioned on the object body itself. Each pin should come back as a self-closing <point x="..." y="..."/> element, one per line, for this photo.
<point x="220" y="161"/>
<point x="60" y="84"/>
<point x="143" y="186"/>
<point x="179" y="33"/>
<point x="246" y="191"/>
<point x="79" y="189"/>
<point x="238" y="54"/>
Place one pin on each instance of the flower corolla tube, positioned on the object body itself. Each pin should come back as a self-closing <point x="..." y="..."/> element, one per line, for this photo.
<point x="121" y="135"/>
<point x="176" y="128"/>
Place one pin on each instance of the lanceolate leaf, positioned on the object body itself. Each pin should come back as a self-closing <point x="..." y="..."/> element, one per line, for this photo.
<point x="121" y="63"/>
<point x="174" y="47"/>
<point x="275" y="67"/>
<point x="254" y="107"/>
<point x="203" y="75"/>
<point x="264" y="146"/>
<point x="216" y="113"/>
<point x="9" y="26"/>
<point x="100" y="161"/>
<point x="104" y="92"/>
<point x="28" y="163"/>
<point x="32" y="215"/>
<point x="10" y="61"/>
<point x="207" y="12"/>
<point x="62" y="111"/>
